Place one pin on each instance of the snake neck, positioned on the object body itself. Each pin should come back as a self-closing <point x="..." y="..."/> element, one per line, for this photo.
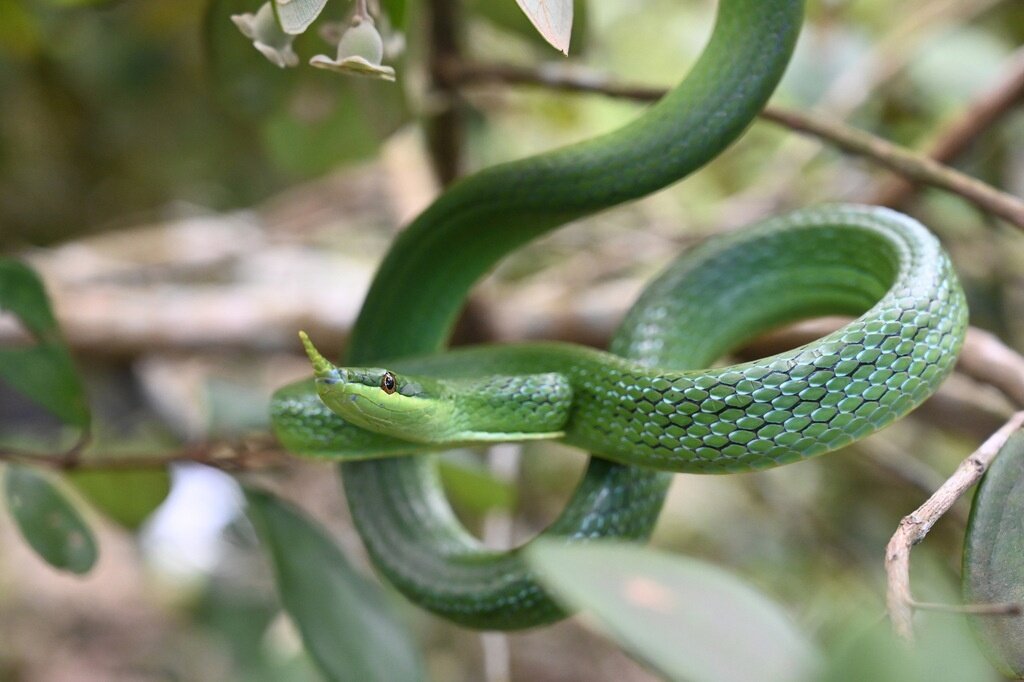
<point x="511" y="407"/>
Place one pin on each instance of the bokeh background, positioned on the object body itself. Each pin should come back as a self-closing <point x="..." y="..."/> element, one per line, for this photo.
<point x="190" y="206"/>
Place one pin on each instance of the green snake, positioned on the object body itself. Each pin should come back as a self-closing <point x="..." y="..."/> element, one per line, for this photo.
<point x="645" y="407"/>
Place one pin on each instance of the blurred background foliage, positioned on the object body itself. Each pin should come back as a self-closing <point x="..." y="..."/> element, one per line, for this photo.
<point x="210" y="173"/>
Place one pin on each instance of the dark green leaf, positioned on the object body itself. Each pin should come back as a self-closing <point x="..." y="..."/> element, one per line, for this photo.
<point x="43" y="372"/>
<point x="127" y="497"/>
<point x="295" y="16"/>
<point x="687" y="619"/>
<point x="993" y="570"/>
<point x="346" y="622"/>
<point x="48" y="522"/>
<point x="22" y="293"/>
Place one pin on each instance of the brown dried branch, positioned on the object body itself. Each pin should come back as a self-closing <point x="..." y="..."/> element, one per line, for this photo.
<point x="245" y="455"/>
<point x="906" y="163"/>
<point x="961" y="132"/>
<point x="915" y="526"/>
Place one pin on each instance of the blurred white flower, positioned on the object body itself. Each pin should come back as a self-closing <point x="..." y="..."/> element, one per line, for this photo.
<point x="360" y="52"/>
<point x="266" y="35"/>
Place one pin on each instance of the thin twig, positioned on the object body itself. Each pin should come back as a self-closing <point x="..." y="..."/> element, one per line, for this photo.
<point x="1005" y="609"/>
<point x="903" y="161"/>
<point x="961" y="132"/>
<point x="907" y="163"/>
<point x="915" y="526"/>
<point x="239" y="456"/>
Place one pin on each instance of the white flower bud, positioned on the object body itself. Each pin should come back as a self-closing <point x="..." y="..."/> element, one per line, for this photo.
<point x="266" y="35"/>
<point x="360" y="52"/>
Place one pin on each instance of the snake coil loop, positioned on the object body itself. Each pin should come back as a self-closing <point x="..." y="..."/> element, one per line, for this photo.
<point x="640" y="420"/>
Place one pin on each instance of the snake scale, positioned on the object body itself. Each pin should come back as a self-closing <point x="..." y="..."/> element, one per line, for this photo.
<point x="646" y="407"/>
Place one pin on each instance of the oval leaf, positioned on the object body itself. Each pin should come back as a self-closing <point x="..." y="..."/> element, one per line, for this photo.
<point x="346" y="622"/>
<point x="686" y="618"/>
<point x="295" y="16"/>
<point x="127" y="497"/>
<point x="552" y="19"/>
<point x="43" y="372"/>
<point x="993" y="570"/>
<point x="48" y="522"/>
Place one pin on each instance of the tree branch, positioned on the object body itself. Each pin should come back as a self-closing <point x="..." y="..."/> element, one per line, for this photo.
<point x="908" y="164"/>
<point x="915" y="526"/>
<point x="244" y="455"/>
<point x="961" y="132"/>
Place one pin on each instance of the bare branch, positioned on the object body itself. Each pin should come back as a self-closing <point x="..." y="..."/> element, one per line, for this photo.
<point x="961" y="132"/>
<point x="245" y="455"/>
<point x="908" y="164"/>
<point x="915" y="526"/>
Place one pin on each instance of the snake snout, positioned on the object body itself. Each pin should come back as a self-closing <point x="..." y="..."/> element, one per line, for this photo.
<point x="335" y="376"/>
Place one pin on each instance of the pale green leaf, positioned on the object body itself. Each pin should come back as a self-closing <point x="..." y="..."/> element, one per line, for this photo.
<point x="687" y="619"/>
<point x="48" y="522"/>
<point x="295" y="16"/>
<point x="347" y="623"/>
<point x="127" y="497"/>
<point x="943" y="650"/>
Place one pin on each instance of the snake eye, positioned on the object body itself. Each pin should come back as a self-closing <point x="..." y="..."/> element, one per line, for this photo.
<point x="387" y="383"/>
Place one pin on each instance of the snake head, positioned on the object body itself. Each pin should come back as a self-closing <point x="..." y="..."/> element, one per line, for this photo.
<point x="323" y="369"/>
<point x="377" y="399"/>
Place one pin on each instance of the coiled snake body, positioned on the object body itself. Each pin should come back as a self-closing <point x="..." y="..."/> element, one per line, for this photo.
<point x="646" y="407"/>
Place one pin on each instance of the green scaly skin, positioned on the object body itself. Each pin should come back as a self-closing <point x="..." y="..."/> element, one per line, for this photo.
<point x="855" y="260"/>
<point x="799" y="404"/>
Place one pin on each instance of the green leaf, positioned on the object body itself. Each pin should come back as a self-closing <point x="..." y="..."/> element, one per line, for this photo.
<point x="346" y="622"/>
<point x="507" y="16"/>
<point x="127" y="497"/>
<point x="993" y="564"/>
<point x="687" y="619"/>
<point x="48" y="522"/>
<point x="472" y="486"/>
<point x="44" y="372"/>
<point x="295" y="16"/>
<point x="943" y="651"/>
